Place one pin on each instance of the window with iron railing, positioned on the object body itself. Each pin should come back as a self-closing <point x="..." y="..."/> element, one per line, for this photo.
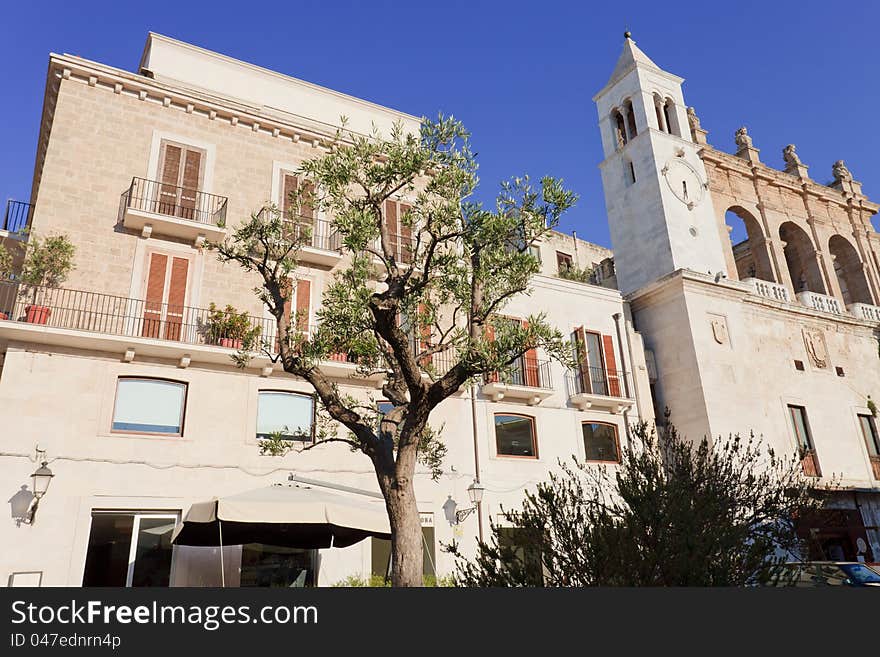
<point x="174" y="201"/>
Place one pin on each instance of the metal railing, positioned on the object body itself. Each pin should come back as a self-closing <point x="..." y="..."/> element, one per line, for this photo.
<point x="17" y="217"/>
<point x="524" y="372"/>
<point x="402" y="247"/>
<point x="323" y="234"/>
<point x="598" y="381"/>
<point x="114" y="315"/>
<point x="173" y="201"/>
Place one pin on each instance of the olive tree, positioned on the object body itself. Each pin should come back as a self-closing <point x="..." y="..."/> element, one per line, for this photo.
<point x="412" y="305"/>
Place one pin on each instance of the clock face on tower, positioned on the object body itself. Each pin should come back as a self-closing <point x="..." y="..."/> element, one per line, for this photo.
<point x="684" y="181"/>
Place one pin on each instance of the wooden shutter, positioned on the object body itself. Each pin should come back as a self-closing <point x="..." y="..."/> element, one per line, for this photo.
<point x="489" y="332"/>
<point x="170" y="178"/>
<point x="176" y="298"/>
<point x="155" y="294"/>
<point x="579" y="340"/>
<point x="405" y="239"/>
<point x="393" y="227"/>
<point x="530" y="365"/>
<point x="288" y="187"/>
<point x="611" y="366"/>
<point x="303" y="304"/>
<point x="192" y="168"/>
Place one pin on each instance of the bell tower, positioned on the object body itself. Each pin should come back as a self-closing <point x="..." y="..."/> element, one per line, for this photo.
<point x="660" y="213"/>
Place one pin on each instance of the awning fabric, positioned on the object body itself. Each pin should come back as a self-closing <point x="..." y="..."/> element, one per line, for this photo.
<point x="285" y="515"/>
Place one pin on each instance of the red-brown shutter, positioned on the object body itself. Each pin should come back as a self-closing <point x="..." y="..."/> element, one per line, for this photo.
<point x="154" y="295"/>
<point x="611" y="366"/>
<point x="393" y="226"/>
<point x="289" y="187"/>
<point x="583" y="365"/>
<point x="170" y="179"/>
<point x="176" y="298"/>
<point x="303" y="303"/>
<point x="192" y="167"/>
<point x="530" y="365"/>
<point x="405" y="239"/>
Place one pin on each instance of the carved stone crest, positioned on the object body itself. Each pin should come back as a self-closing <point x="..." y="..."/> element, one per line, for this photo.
<point x="814" y="341"/>
<point x="719" y="329"/>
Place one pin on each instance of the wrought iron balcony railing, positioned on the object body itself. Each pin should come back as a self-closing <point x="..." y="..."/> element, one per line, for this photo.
<point x="17" y="217"/>
<point x="173" y="201"/>
<point x="525" y="372"/>
<point x="598" y="381"/>
<point x="321" y="233"/>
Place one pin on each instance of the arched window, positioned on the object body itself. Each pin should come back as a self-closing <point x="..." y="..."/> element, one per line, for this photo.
<point x="515" y="435"/>
<point x="619" y="128"/>
<point x="289" y="415"/>
<point x="800" y="256"/>
<point x="661" y="120"/>
<point x="849" y="271"/>
<point x="630" y="119"/>
<point x="671" y="117"/>
<point x="750" y="253"/>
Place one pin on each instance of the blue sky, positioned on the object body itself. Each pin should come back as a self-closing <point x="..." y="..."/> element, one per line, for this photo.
<point x="520" y="75"/>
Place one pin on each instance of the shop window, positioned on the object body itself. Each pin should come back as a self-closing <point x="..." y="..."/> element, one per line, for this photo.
<point x="129" y="549"/>
<point x="381" y="555"/>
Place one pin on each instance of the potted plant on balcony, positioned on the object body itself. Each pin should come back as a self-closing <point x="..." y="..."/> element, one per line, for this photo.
<point x="47" y="263"/>
<point x="230" y="328"/>
<point x="6" y="272"/>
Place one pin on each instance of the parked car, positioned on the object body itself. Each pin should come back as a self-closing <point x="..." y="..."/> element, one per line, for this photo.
<point x="826" y="573"/>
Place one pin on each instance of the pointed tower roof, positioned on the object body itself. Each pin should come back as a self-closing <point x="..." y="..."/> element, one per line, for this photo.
<point x="632" y="57"/>
<point x="629" y="58"/>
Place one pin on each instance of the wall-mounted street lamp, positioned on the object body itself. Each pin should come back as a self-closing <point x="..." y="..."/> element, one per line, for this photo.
<point x="41" y="478"/>
<point x="475" y="493"/>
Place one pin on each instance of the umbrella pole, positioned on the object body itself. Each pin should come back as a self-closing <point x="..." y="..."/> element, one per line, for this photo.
<point x="222" y="566"/>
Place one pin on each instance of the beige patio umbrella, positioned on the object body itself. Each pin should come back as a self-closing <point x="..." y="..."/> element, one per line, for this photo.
<point x="288" y="515"/>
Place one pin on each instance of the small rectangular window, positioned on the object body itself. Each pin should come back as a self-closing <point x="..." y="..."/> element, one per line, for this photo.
<point x="799" y="365"/>
<point x="600" y="442"/>
<point x="289" y="414"/>
<point x="840" y="371"/>
<point x="515" y="436"/>
<point x="151" y="406"/>
<point x="801" y="427"/>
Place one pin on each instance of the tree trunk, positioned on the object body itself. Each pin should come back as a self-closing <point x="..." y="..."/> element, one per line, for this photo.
<point x="406" y="532"/>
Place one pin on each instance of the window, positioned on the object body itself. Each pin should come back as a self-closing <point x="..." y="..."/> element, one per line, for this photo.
<point x="129" y="549"/>
<point x="799" y="365"/>
<point x="521" y="552"/>
<point x="181" y="174"/>
<point x="292" y="414"/>
<point x="809" y="460"/>
<point x="515" y="436"/>
<point x="535" y="252"/>
<point x="600" y="442"/>
<point x="150" y="406"/>
<point x="801" y="428"/>
<point x="563" y="262"/>
<point x="869" y="431"/>
<point x="630" y="173"/>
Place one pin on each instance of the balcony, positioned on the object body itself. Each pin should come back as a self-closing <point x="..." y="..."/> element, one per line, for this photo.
<point x="524" y="380"/>
<point x="322" y="245"/>
<point x="594" y="387"/>
<point x="820" y="302"/>
<point x="152" y="207"/>
<point x="16" y="219"/>
<point x="768" y="289"/>
<point x="864" y="311"/>
<point x="103" y="322"/>
<point x="402" y="247"/>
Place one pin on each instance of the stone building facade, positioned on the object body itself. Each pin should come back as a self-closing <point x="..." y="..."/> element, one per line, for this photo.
<point x="140" y="412"/>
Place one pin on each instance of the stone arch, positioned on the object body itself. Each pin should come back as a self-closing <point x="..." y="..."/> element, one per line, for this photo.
<point x="618" y="128"/>
<point x="671" y="117"/>
<point x="630" y="118"/>
<point x="748" y="244"/>
<point x="849" y="270"/>
<point x="801" y="258"/>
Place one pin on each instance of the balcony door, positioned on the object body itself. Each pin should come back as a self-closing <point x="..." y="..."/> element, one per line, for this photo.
<point x="596" y="365"/>
<point x="165" y="295"/>
<point x="180" y="169"/>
